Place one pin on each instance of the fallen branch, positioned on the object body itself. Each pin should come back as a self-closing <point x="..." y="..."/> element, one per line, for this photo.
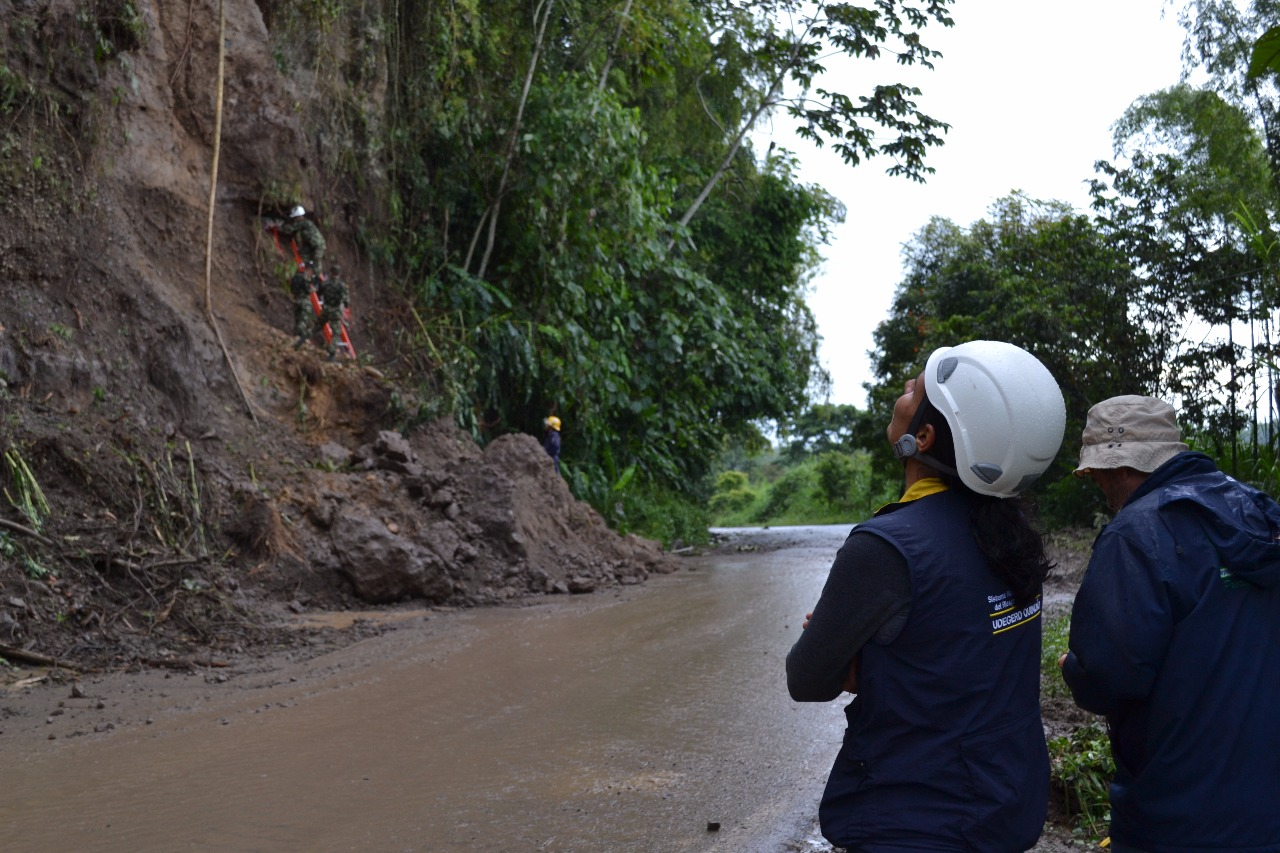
<point x="14" y="653"/>
<point x="127" y="565"/>
<point x="25" y="531"/>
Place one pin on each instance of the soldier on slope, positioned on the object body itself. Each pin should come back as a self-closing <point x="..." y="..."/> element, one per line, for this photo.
<point x="334" y="300"/>
<point x="306" y="236"/>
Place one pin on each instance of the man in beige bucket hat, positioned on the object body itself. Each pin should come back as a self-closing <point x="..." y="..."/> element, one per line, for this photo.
<point x="1175" y="638"/>
<point x="1125" y="439"/>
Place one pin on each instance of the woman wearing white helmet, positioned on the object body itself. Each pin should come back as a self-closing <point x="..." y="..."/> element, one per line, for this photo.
<point x="930" y="615"/>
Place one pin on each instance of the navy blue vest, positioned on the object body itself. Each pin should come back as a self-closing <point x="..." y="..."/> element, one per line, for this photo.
<point x="944" y="748"/>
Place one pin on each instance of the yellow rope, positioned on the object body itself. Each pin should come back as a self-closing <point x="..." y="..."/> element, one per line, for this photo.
<point x="213" y="192"/>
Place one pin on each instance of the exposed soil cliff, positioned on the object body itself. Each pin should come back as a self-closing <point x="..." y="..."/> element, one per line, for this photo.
<point x="177" y="475"/>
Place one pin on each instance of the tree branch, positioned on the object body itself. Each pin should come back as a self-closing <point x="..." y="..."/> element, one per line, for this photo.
<point x="514" y="135"/>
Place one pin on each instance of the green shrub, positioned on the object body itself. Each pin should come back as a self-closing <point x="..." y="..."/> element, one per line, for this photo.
<point x="834" y="487"/>
<point x="14" y="91"/>
<point x="1069" y="502"/>
<point x="1057" y="631"/>
<point x="1081" y="766"/>
<point x="728" y="481"/>
<point x="670" y="519"/>
<point x="836" y="477"/>
<point x="732" y="493"/>
<point x="782" y="493"/>
<point x="736" y="500"/>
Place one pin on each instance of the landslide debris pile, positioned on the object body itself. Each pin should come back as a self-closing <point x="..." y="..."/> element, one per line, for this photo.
<point x="176" y="477"/>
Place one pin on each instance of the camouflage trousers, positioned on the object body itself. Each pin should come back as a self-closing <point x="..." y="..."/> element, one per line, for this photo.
<point x="332" y="316"/>
<point x="303" y="316"/>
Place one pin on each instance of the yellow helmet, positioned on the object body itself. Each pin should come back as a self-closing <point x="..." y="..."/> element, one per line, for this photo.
<point x="553" y="422"/>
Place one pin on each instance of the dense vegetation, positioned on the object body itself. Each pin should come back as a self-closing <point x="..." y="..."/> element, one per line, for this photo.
<point x="1169" y="287"/>
<point x="570" y="203"/>
<point x="566" y="195"/>
<point x="565" y="200"/>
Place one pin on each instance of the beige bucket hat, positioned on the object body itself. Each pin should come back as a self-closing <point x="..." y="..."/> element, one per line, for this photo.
<point x="1129" y="432"/>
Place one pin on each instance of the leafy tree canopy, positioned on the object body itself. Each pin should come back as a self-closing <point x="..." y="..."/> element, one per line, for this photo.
<point x="580" y="226"/>
<point x="1035" y="274"/>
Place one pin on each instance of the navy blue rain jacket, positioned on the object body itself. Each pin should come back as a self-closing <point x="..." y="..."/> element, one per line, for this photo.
<point x="1175" y="636"/>
<point x="944" y="749"/>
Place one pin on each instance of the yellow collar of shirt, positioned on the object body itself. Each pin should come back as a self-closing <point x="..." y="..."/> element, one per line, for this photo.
<point x="922" y="488"/>
<point x="918" y="489"/>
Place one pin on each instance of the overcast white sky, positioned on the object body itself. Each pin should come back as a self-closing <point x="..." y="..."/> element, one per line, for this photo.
<point x="1030" y="89"/>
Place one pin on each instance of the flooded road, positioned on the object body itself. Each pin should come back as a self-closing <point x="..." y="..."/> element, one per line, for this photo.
<point x="651" y="718"/>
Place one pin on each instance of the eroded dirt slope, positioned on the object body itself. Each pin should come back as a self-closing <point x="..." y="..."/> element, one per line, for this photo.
<point x="176" y="475"/>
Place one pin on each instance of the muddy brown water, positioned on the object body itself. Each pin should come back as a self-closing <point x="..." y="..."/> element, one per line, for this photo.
<point x="630" y="720"/>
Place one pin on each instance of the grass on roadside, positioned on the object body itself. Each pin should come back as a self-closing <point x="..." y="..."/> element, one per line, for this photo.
<point x="1053" y="645"/>
<point x="1082" y="766"/>
<point x="1080" y="763"/>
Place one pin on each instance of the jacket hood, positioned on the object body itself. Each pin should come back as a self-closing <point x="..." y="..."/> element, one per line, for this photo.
<point x="1242" y="523"/>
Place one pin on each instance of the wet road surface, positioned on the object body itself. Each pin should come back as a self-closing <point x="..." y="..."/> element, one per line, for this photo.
<point x="629" y="720"/>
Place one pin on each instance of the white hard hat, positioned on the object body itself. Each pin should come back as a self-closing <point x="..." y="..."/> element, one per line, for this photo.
<point x="1005" y="410"/>
<point x="297" y="211"/>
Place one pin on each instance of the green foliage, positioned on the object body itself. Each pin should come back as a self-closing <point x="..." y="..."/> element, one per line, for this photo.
<point x="1189" y="209"/>
<point x="660" y="515"/>
<point x="1035" y="274"/>
<point x="115" y="26"/>
<point x="1053" y="645"/>
<point x="33" y="568"/>
<point x="632" y="505"/>
<point x="838" y="478"/>
<point x="172" y="493"/>
<point x="732" y="493"/>
<point x="821" y="427"/>
<point x="1191" y="199"/>
<point x="1262" y="470"/>
<point x="1081" y="767"/>
<point x="727" y="481"/>
<point x="1266" y="54"/>
<point x="535" y="169"/>
<point x="26" y="495"/>
<point x="851" y="123"/>
<point x="1069" y="501"/>
<point x="783" y="492"/>
<point x="14" y="91"/>
<point x="796" y="493"/>
<point x="732" y="501"/>
<point x="574" y="221"/>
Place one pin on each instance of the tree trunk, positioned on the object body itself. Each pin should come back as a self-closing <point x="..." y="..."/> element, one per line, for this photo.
<point x="496" y="205"/>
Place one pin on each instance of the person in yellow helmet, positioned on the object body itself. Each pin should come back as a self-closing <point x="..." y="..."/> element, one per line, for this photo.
<point x="551" y="443"/>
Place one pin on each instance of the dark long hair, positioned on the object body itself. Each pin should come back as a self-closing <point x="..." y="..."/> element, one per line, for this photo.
<point x="1003" y="527"/>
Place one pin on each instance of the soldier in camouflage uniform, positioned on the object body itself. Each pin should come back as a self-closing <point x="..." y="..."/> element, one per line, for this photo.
<point x="307" y="236"/>
<point x="334" y="297"/>
<point x="300" y="287"/>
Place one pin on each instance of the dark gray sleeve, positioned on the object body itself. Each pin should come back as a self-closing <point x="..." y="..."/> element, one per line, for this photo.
<point x="867" y="597"/>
